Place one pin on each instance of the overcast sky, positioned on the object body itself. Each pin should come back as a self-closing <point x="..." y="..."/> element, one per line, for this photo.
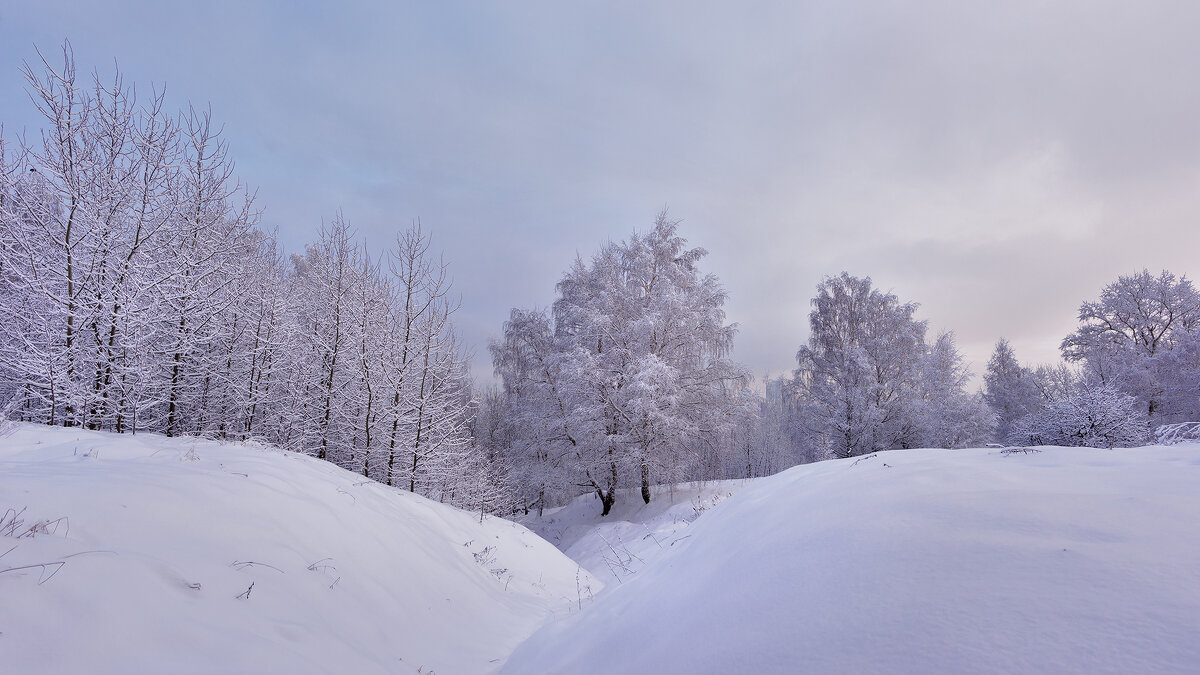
<point x="997" y="163"/>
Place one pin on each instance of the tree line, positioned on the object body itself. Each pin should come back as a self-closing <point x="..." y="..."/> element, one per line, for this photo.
<point x="140" y="294"/>
<point x="1132" y="365"/>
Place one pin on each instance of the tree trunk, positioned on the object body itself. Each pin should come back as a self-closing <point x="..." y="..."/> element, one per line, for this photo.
<point x="609" y="497"/>
<point x="645" y="483"/>
<point x="606" y="501"/>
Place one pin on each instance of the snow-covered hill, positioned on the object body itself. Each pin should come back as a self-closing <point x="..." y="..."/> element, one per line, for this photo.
<point x="1067" y="560"/>
<point x="146" y="554"/>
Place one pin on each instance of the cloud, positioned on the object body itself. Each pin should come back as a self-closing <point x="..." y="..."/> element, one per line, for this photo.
<point x="998" y="163"/>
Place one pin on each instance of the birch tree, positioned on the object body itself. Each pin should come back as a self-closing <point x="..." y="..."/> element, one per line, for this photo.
<point x="948" y="416"/>
<point x="634" y="378"/>
<point x="1010" y="389"/>
<point x="858" y="374"/>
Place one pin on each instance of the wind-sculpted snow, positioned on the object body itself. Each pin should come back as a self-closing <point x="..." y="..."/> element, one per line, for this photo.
<point x="917" y="561"/>
<point x="146" y="554"/>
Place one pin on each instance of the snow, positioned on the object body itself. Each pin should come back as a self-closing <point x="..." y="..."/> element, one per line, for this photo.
<point x="190" y="556"/>
<point x="143" y="550"/>
<point x="634" y="534"/>
<point x="1064" y="560"/>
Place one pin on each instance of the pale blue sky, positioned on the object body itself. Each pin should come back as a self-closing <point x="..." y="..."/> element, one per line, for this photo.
<point x="996" y="162"/>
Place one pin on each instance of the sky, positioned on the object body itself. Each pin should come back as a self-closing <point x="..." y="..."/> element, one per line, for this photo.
<point x="997" y="163"/>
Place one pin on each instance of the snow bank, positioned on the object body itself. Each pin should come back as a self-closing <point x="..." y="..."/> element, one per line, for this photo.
<point x="186" y="556"/>
<point x="1067" y="560"/>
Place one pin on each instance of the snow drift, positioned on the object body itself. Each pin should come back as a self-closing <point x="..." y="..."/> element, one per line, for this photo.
<point x="1064" y="560"/>
<point x="148" y="554"/>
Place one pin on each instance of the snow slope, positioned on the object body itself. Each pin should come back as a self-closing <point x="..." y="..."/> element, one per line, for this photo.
<point x="188" y="556"/>
<point x="634" y="534"/>
<point x="1068" y="560"/>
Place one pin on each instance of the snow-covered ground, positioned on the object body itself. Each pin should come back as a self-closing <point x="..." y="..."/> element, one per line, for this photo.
<point x="145" y="554"/>
<point x="1068" y="560"/>
<point x="634" y="534"/>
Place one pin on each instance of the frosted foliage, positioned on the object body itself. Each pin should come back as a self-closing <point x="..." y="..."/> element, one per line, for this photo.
<point x="627" y="380"/>
<point x="949" y="417"/>
<point x="142" y="296"/>
<point x="1010" y="389"/>
<point x="1140" y="336"/>
<point x="858" y="373"/>
<point x="125" y="252"/>
<point x="867" y="381"/>
<point x="758" y="443"/>
<point x="1098" y="416"/>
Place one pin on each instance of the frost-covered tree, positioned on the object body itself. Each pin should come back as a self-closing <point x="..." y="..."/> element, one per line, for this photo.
<point x="264" y="402"/>
<point x="946" y="415"/>
<point x="758" y="443"/>
<point x="326" y="276"/>
<point x="1010" y="389"/>
<point x="1179" y="380"/>
<point x="432" y="403"/>
<point x="1092" y="415"/>
<point x="856" y="384"/>
<point x="140" y="295"/>
<point x="1056" y="381"/>
<point x="127" y="246"/>
<point x="383" y="389"/>
<point x="492" y="431"/>
<point x="87" y="216"/>
<point x="209" y="260"/>
<point x="552" y="417"/>
<point x="868" y="381"/>
<point x="630" y="379"/>
<point x="1127" y="339"/>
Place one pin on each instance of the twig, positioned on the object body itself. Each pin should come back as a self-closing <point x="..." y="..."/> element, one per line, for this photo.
<point x="246" y="595"/>
<point x="621" y="562"/>
<point x="242" y="564"/>
<point x="49" y="527"/>
<point x="650" y="535"/>
<point x="13" y="525"/>
<point x="43" y="577"/>
<point x="318" y="567"/>
<point x="11" y="521"/>
<point x="85" y="552"/>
